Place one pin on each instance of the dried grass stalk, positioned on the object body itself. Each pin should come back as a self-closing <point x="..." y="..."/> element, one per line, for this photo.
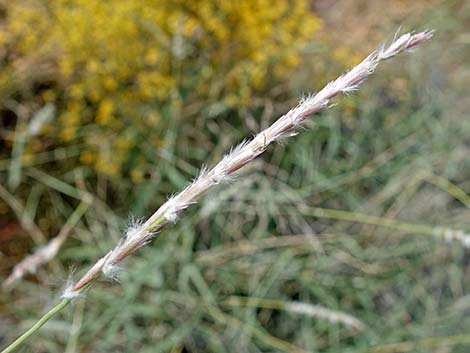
<point x="31" y="263"/>
<point x="298" y="307"/>
<point x="286" y="126"/>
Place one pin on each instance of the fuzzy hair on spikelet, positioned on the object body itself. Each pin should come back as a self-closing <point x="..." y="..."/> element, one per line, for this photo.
<point x="134" y="227"/>
<point x="68" y="292"/>
<point x="111" y="272"/>
<point x="174" y="206"/>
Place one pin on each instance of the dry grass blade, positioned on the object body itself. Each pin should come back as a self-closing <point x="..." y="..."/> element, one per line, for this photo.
<point x="301" y="308"/>
<point x="26" y="222"/>
<point x="424" y="344"/>
<point x="44" y="254"/>
<point x="247" y="247"/>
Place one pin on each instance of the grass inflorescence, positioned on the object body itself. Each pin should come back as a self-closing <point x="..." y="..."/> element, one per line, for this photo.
<point x="288" y="125"/>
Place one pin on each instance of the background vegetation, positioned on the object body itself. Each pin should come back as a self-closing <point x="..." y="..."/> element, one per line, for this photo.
<point x="123" y="104"/>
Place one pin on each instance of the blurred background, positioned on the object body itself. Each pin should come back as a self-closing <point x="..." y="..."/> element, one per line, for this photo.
<point x="351" y="237"/>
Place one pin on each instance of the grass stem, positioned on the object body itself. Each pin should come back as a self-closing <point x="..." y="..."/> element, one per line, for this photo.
<point x="37" y="325"/>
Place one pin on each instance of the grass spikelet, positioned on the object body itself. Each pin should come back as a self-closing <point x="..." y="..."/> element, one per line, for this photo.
<point x="286" y="126"/>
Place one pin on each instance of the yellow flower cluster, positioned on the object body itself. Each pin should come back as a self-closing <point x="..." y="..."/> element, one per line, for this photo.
<point x="118" y="63"/>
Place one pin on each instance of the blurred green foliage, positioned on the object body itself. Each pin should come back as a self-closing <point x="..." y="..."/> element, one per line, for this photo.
<point x="397" y="150"/>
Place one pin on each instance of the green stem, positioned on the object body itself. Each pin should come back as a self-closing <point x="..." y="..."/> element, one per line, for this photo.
<point x="37" y="325"/>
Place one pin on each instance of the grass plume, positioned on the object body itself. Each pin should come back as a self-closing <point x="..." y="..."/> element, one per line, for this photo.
<point x="286" y="126"/>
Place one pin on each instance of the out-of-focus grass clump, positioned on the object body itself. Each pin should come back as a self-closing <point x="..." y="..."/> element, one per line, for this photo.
<point x="119" y="72"/>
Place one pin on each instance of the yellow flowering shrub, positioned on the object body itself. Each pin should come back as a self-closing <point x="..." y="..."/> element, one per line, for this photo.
<point x="116" y="65"/>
